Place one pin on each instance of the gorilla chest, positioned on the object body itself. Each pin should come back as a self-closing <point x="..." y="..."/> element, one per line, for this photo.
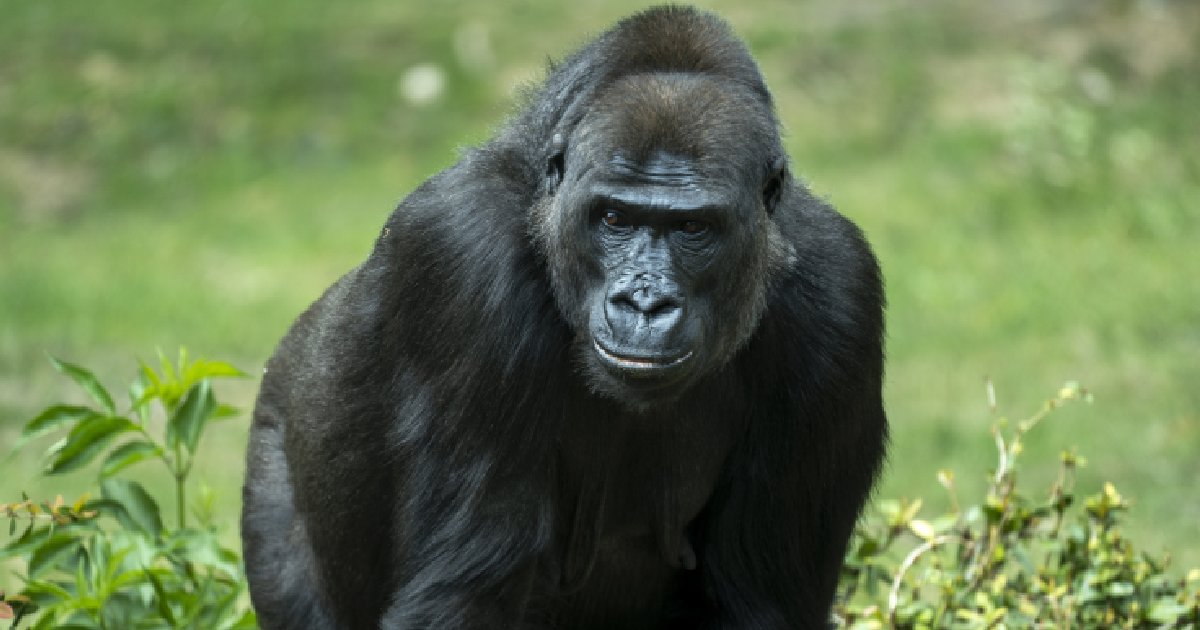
<point x="628" y="491"/>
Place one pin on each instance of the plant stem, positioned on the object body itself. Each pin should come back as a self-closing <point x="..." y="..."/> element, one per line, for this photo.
<point x="180" y="489"/>
<point x="909" y="560"/>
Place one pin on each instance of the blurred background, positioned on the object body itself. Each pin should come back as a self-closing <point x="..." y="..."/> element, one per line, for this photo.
<point x="196" y="173"/>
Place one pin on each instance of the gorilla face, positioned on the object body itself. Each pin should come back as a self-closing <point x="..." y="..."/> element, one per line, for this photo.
<point x="657" y="232"/>
<point x="660" y="217"/>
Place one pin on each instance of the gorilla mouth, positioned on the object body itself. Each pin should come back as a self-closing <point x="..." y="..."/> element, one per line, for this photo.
<point x="639" y="366"/>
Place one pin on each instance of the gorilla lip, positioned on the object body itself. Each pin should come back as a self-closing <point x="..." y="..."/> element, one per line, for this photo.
<point x="638" y="364"/>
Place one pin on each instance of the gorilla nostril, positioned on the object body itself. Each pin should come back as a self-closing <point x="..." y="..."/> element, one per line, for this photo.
<point x="662" y="309"/>
<point x="624" y="302"/>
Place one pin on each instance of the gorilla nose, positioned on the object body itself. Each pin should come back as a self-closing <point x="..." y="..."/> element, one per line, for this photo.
<point x="646" y="307"/>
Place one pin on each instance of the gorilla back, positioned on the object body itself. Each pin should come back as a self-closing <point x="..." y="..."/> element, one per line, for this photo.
<point x="617" y="368"/>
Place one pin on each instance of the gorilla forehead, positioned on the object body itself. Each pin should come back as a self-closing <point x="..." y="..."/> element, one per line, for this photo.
<point x="713" y="122"/>
<point x="660" y="168"/>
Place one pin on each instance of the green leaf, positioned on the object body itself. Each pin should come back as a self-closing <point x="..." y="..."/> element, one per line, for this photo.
<point x="1166" y="610"/>
<point x="216" y="610"/>
<point x="166" y="386"/>
<point x="248" y="621"/>
<point x="149" y="394"/>
<point x="50" y="554"/>
<point x="114" y="563"/>
<point x="868" y="546"/>
<point x="32" y="536"/>
<point x="44" y="590"/>
<point x="224" y="412"/>
<point x="92" y="571"/>
<point x="85" y="441"/>
<point x="137" y="390"/>
<point x="164" y="608"/>
<point x="1119" y="589"/>
<point x="150" y="374"/>
<point x="88" y="382"/>
<point x="202" y="548"/>
<point x="127" y="455"/>
<point x="168" y="371"/>
<point x="137" y="509"/>
<point x="187" y="423"/>
<point x="53" y="417"/>
<point x="204" y="368"/>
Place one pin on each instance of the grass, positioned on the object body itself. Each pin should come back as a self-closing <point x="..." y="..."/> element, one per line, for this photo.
<point x="197" y="173"/>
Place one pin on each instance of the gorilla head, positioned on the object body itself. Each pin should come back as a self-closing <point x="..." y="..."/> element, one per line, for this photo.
<point x="658" y="230"/>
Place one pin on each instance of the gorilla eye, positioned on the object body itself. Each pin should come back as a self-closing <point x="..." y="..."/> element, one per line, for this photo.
<point x="615" y="219"/>
<point x="693" y="227"/>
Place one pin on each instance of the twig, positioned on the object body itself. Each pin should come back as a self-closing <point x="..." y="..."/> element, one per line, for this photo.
<point x="909" y="560"/>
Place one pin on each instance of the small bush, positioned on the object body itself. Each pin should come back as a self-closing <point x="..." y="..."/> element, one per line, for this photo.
<point x="115" y="562"/>
<point x="1011" y="561"/>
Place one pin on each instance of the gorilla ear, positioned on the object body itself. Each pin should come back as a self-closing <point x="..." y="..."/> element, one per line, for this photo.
<point x="773" y="186"/>
<point x="555" y="165"/>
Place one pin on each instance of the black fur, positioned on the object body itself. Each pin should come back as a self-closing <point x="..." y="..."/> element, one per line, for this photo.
<point x="531" y="409"/>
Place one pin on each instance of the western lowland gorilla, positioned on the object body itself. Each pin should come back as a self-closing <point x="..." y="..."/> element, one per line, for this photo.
<point x="616" y="368"/>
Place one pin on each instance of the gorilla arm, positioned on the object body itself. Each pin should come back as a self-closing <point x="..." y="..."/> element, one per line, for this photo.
<point x="778" y="527"/>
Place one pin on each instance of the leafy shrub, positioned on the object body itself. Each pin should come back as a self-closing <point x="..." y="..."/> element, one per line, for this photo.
<point x="1011" y="561"/>
<point x="113" y="562"/>
<point x="1007" y="562"/>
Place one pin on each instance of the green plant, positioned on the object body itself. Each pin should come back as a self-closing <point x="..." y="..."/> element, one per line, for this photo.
<point x="112" y="562"/>
<point x="1011" y="561"/>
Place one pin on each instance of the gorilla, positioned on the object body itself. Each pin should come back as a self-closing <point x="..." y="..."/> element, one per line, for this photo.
<point x="616" y="368"/>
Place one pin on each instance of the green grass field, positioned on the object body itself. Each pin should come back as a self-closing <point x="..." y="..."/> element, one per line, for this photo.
<point x="196" y="173"/>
